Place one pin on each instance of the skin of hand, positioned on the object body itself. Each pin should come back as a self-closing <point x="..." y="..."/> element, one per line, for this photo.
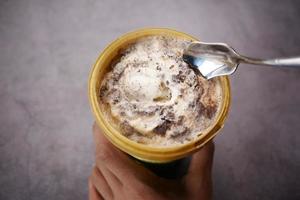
<point x="116" y="176"/>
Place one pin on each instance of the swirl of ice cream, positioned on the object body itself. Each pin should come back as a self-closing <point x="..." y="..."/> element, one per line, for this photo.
<point x="154" y="97"/>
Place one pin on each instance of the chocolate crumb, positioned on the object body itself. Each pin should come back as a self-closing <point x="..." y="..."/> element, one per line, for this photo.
<point x="116" y="100"/>
<point x="149" y="111"/>
<point x="210" y="110"/>
<point x="145" y="113"/>
<point x="179" y="77"/>
<point x="180" y="120"/>
<point x="207" y="111"/>
<point x="162" y="128"/>
<point x="182" y="78"/>
<point x="169" y="116"/>
<point x="192" y="104"/>
<point x="117" y="75"/>
<point x="126" y="129"/>
<point x="103" y="90"/>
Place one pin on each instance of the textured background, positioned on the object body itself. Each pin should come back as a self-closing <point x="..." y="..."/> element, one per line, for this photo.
<point x="48" y="47"/>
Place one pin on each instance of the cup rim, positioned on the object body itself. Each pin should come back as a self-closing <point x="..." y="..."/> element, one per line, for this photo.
<point x="143" y="151"/>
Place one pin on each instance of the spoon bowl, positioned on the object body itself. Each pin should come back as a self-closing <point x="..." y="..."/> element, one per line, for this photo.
<point x="219" y="59"/>
<point x="211" y="59"/>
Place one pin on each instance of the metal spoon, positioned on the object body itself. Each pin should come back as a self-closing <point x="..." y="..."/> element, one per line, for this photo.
<point x="218" y="59"/>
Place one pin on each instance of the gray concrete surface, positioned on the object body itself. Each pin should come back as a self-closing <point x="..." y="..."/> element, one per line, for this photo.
<point x="47" y="49"/>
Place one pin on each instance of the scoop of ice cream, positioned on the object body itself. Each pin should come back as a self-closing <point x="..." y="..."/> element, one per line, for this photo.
<point x="141" y="84"/>
<point x="156" y="96"/>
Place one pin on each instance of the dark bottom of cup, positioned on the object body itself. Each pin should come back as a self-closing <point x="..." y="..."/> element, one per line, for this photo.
<point x="172" y="170"/>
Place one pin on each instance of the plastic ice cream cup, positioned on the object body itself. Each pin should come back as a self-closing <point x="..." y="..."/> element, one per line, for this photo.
<point x="140" y="151"/>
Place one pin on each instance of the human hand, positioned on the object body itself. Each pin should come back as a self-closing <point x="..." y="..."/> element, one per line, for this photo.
<point x="116" y="176"/>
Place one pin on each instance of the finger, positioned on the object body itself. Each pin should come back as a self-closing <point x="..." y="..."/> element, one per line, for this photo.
<point x="101" y="184"/>
<point x="201" y="164"/>
<point x="93" y="193"/>
<point x="118" y="163"/>
<point x="113" y="181"/>
<point x="110" y="177"/>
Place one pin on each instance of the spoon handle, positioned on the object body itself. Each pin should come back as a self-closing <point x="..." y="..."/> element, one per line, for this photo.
<point x="283" y="62"/>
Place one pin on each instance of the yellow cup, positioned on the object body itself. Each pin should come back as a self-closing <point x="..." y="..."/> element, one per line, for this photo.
<point x="141" y="151"/>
